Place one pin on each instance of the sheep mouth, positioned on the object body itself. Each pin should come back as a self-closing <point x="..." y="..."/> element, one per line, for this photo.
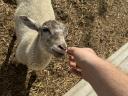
<point x="58" y="53"/>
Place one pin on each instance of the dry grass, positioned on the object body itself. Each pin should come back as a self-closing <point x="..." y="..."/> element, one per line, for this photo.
<point x="101" y="25"/>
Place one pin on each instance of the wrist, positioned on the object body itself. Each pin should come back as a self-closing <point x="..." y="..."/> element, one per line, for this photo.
<point x="93" y="67"/>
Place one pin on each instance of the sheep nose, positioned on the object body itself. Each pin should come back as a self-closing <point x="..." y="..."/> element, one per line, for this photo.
<point x="62" y="46"/>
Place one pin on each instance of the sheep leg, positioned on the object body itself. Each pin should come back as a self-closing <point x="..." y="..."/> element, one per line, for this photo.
<point x="32" y="78"/>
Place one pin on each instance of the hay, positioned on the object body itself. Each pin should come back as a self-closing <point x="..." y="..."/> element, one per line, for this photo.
<point x="101" y="25"/>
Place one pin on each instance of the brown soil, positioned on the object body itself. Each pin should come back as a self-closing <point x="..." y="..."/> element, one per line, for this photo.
<point x="98" y="24"/>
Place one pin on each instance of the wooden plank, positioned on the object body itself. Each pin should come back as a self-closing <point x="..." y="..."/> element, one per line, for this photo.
<point x="79" y="89"/>
<point x="124" y="65"/>
<point x="93" y="93"/>
<point x="119" y="59"/>
<point x="119" y="56"/>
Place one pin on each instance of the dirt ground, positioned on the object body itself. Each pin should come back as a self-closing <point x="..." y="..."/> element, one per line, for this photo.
<point x="98" y="24"/>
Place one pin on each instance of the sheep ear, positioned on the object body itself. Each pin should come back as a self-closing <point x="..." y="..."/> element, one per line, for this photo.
<point x="29" y="22"/>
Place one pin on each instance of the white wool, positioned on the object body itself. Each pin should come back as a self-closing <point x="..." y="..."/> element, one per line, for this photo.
<point x="40" y="11"/>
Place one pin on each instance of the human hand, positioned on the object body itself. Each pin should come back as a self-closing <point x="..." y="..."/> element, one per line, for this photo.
<point x="80" y="59"/>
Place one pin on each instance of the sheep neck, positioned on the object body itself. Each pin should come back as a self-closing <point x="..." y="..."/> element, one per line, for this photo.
<point x="40" y="56"/>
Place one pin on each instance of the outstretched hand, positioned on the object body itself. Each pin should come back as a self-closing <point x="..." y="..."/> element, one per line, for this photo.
<point x="80" y="58"/>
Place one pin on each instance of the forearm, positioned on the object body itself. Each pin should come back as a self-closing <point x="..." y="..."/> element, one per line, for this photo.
<point x="107" y="80"/>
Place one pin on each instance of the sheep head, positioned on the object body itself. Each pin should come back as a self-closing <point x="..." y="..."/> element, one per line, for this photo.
<point x="51" y="35"/>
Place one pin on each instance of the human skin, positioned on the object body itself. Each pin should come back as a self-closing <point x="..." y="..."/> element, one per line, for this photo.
<point x="102" y="75"/>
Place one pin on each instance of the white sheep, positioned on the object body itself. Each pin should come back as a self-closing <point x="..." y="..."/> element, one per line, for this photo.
<point x="39" y="35"/>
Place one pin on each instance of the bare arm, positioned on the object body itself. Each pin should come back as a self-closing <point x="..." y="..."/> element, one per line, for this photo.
<point x="107" y="80"/>
<point x="103" y="76"/>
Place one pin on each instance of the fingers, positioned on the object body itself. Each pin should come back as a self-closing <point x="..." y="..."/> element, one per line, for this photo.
<point x="73" y="66"/>
<point x="71" y="58"/>
<point x="72" y="62"/>
<point x="76" y="71"/>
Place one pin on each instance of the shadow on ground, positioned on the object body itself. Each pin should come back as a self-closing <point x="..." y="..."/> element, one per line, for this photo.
<point x="10" y="1"/>
<point x="13" y="76"/>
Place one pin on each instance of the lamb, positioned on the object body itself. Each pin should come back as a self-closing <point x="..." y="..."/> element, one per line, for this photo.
<point x="39" y="35"/>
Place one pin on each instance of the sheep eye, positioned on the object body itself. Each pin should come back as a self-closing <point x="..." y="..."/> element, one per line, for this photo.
<point x="45" y="29"/>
